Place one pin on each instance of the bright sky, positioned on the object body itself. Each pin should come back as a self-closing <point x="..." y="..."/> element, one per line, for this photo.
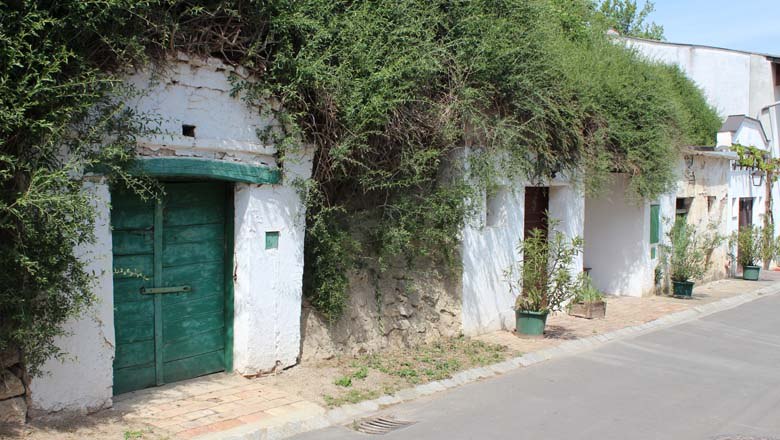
<point x="749" y="25"/>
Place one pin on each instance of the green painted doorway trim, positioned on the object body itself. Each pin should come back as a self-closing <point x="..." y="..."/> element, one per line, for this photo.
<point x="167" y="167"/>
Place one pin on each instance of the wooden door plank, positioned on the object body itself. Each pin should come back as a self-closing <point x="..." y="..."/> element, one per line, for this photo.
<point x="158" y="267"/>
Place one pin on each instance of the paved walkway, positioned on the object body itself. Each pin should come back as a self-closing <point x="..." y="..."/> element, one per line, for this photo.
<point x="212" y="404"/>
<point x="711" y="378"/>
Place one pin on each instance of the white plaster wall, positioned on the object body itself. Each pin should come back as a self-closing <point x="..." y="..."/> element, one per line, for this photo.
<point x="567" y="204"/>
<point x="489" y="249"/>
<point x="617" y="240"/>
<point x="198" y="92"/>
<point x="487" y="252"/>
<point x="268" y="282"/>
<point x="84" y="381"/>
<point x="734" y="82"/>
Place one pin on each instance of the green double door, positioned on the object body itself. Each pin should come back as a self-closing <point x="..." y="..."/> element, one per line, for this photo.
<point x="172" y="314"/>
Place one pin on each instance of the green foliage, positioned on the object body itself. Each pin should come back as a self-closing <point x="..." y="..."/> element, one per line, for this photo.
<point x="390" y="92"/>
<point x="625" y="17"/>
<point x="586" y="292"/>
<point x="749" y="245"/>
<point x="687" y="253"/>
<point x="546" y="281"/>
<point x="61" y="113"/>
<point x="344" y="381"/>
<point x="387" y="92"/>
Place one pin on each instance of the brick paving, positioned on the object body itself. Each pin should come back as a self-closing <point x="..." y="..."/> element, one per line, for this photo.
<point x="625" y="312"/>
<point x="211" y="404"/>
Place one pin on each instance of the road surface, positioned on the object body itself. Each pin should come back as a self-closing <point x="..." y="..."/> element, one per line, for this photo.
<point x="714" y="378"/>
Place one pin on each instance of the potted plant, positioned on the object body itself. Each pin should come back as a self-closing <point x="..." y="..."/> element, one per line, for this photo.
<point x="588" y="301"/>
<point x="546" y="282"/>
<point x="687" y="256"/>
<point x="748" y="240"/>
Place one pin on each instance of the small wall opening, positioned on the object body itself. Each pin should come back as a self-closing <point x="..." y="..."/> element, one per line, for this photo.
<point x="188" y="130"/>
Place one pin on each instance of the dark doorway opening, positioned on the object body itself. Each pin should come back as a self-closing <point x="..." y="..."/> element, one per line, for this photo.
<point x="537" y="202"/>
<point x="745" y="212"/>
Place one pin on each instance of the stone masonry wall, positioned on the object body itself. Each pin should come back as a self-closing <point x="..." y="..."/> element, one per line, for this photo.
<point x="13" y="392"/>
<point x="398" y="309"/>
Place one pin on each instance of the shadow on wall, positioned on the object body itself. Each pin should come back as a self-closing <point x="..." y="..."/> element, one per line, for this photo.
<point x="490" y="248"/>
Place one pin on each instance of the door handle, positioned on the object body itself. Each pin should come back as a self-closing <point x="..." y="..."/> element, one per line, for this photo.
<point x="161" y="290"/>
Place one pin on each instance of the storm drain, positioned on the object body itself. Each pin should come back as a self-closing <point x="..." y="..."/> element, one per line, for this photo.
<point x="380" y="425"/>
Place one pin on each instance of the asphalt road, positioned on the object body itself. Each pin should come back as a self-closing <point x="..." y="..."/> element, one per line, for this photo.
<point x="714" y="378"/>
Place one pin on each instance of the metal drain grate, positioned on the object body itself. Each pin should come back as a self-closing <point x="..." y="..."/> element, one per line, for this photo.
<point x="380" y="425"/>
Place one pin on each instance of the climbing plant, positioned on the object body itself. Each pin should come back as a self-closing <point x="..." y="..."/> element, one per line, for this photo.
<point x="388" y="93"/>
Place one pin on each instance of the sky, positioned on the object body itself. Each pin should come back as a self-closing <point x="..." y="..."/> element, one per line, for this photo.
<point x="749" y="25"/>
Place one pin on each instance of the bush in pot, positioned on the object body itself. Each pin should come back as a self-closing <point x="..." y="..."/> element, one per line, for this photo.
<point x="588" y="301"/>
<point x="687" y="255"/>
<point x="749" y="250"/>
<point x="545" y="282"/>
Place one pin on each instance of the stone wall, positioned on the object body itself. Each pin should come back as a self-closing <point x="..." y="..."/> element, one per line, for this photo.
<point x="13" y="393"/>
<point x="398" y="309"/>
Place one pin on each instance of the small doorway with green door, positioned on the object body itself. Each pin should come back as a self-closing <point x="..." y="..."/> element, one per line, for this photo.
<point x="173" y="288"/>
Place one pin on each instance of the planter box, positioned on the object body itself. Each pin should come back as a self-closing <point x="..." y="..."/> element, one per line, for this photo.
<point x="588" y="310"/>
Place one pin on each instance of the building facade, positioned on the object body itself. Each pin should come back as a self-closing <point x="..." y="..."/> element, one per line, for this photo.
<point x="206" y="278"/>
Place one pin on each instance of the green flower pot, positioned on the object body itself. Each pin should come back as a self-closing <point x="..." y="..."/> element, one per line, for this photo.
<point x="750" y="273"/>
<point x="682" y="288"/>
<point x="530" y="323"/>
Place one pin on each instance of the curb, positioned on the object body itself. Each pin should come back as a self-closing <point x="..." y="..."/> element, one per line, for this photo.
<point x="348" y="413"/>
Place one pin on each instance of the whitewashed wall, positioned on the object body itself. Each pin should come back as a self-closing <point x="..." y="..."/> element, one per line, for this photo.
<point x="734" y="82"/>
<point x="84" y="381"/>
<point x="617" y="240"/>
<point x="487" y="252"/>
<point x="489" y="249"/>
<point x="268" y="282"/>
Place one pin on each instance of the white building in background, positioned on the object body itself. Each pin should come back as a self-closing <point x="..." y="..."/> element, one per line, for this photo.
<point x="622" y="236"/>
<point x="744" y="88"/>
<point x="208" y="279"/>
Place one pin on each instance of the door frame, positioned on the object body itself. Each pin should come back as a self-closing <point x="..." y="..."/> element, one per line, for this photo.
<point x="229" y="272"/>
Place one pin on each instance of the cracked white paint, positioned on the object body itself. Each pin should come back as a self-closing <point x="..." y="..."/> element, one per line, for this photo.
<point x="83" y="382"/>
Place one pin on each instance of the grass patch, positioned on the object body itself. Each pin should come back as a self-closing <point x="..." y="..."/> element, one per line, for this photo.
<point x="417" y="365"/>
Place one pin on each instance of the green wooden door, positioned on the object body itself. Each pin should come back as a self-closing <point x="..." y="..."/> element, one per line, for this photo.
<point x="180" y="243"/>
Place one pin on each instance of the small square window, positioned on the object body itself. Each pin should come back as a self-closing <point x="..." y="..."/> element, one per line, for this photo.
<point x="272" y="240"/>
<point x="188" y="130"/>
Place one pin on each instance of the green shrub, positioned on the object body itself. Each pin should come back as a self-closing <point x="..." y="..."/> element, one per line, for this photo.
<point x="586" y="292"/>
<point x="545" y="279"/>
<point x="749" y="245"/>
<point x="687" y="253"/>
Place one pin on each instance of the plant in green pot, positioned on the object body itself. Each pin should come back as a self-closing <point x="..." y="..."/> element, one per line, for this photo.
<point x="687" y="255"/>
<point x="545" y="282"/>
<point x="748" y="240"/>
<point x="588" y="301"/>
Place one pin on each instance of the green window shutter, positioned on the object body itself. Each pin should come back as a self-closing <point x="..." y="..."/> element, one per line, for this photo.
<point x="655" y="224"/>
